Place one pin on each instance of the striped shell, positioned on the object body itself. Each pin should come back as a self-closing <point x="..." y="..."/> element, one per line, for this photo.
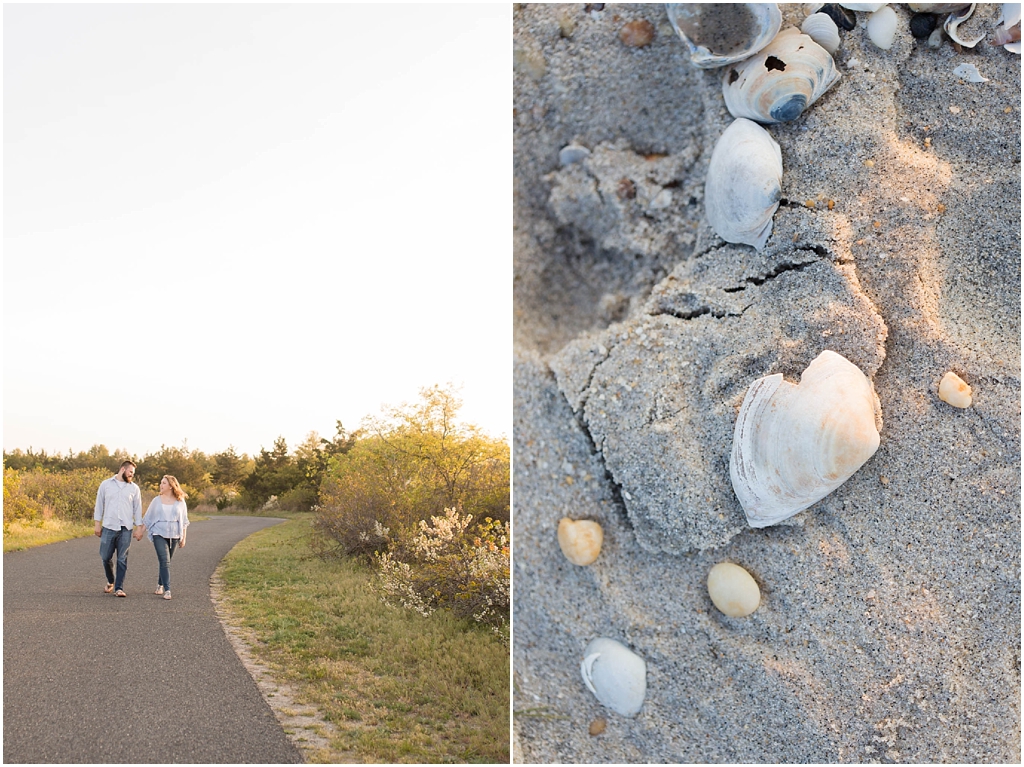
<point x="822" y="30"/>
<point x="795" y="444"/>
<point x="781" y="81"/>
<point x="721" y="33"/>
<point x="744" y="184"/>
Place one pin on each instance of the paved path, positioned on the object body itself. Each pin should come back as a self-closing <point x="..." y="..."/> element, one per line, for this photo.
<point x="90" y="677"/>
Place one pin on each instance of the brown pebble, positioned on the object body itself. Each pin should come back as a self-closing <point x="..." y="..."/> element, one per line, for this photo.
<point x="598" y="726"/>
<point x="1007" y="110"/>
<point x="637" y="34"/>
<point x="869" y="163"/>
<point x="877" y="224"/>
<point x="941" y="208"/>
<point x="809" y="203"/>
<point x="626" y="189"/>
<point x="928" y="141"/>
<point x="883" y="479"/>
<point x="831" y="204"/>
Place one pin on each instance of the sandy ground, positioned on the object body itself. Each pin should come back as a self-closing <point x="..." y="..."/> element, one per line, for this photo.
<point x="889" y="629"/>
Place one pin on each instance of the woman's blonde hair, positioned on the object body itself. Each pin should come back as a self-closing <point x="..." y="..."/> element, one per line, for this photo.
<point x="180" y="494"/>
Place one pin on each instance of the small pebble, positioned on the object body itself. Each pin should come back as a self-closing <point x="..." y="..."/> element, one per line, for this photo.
<point x="598" y="726"/>
<point x="935" y="38"/>
<point x="928" y="141"/>
<point x="626" y="190"/>
<point x="954" y="390"/>
<point x="637" y="34"/>
<point x="580" y="540"/>
<point x="831" y="204"/>
<point x="869" y="163"/>
<point x="809" y="203"/>
<point x="733" y="590"/>
<point x="941" y="208"/>
<point x="922" y="25"/>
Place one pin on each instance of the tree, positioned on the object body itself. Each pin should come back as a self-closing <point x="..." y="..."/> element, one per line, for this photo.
<point x="274" y="474"/>
<point x="230" y="468"/>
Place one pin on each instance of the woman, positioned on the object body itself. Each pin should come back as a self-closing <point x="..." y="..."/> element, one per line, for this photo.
<point x="166" y="520"/>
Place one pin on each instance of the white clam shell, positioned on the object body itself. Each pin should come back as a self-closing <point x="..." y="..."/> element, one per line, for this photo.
<point x="868" y="7"/>
<point x="795" y="444"/>
<point x="721" y="33"/>
<point x="616" y="675"/>
<point x="822" y="30"/>
<point x="882" y="27"/>
<point x="744" y="184"/>
<point x="781" y="81"/>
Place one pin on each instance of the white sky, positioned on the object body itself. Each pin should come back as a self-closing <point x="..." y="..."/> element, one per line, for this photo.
<point x="228" y="223"/>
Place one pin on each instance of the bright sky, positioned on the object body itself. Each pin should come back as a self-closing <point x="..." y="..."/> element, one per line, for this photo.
<point x="226" y="223"/>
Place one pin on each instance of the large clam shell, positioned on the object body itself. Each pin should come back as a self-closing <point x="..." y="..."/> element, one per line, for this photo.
<point x="721" y="33"/>
<point x="952" y="27"/>
<point x="744" y="184"/>
<point x="795" y="444"/>
<point x="616" y="675"/>
<point x="781" y="81"/>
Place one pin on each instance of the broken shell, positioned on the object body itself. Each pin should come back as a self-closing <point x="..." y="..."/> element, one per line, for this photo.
<point x="744" y="184"/>
<point x="952" y="26"/>
<point x="721" y="33"/>
<point x="844" y="19"/>
<point x="935" y="38"/>
<point x="970" y="73"/>
<point x="781" y="81"/>
<point x="616" y="675"/>
<point x="936" y="7"/>
<point x="882" y="27"/>
<point x="795" y="444"/>
<point x="733" y="590"/>
<point x="1008" y="33"/>
<point x="954" y="390"/>
<point x="580" y="540"/>
<point x="823" y="30"/>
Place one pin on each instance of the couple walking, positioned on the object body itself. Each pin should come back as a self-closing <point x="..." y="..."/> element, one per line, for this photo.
<point x="118" y="519"/>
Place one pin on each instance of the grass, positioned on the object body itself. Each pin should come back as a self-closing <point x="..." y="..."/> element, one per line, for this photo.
<point x="398" y="687"/>
<point x="19" y="535"/>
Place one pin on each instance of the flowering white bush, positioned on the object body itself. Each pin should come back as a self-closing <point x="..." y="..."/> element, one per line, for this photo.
<point x="452" y="567"/>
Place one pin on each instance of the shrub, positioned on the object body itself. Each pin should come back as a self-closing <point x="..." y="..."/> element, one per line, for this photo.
<point x="69" y="494"/>
<point x="17" y="505"/>
<point x="466" y="572"/>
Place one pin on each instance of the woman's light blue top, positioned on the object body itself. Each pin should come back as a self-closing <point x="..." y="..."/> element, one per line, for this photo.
<point x="167" y="521"/>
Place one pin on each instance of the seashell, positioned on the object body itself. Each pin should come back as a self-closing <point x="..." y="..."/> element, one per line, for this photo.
<point x="952" y="26"/>
<point x="616" y="675"/>
<point x="733" y="590"/>
<point x="744" y="184"/>
<point x="580" y="540"/>
<point x="721" y="33"/>
<point x="970" y="73"/>
<point x="1007" y="34"/>
<point x="571" y="154"/>
<point x="935" y="38"/>
<point x="780" y="82"/>
<point x="955" y="390"/>
<point x="866" y="7"/>
<point x="882" y="27"/>
<point x="823" y="30"/>
<point x="795" y="444"/>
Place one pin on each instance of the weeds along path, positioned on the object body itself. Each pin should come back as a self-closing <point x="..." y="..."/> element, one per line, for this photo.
<point x="90" y="677"/>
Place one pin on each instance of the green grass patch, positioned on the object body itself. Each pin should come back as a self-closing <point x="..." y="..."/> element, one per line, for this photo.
<point x="19" y="535"/>
<point x="399" y="687"/>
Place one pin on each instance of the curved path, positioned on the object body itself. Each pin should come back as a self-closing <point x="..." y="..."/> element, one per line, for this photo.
<point x="90" y="677"/>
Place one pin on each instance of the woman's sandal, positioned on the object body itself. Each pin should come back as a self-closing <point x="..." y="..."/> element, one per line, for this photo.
<point x="167" y="595"/>
<point x="159" y="590"/>
<point x="120" y="593"/>
<point x="108" y="588"/>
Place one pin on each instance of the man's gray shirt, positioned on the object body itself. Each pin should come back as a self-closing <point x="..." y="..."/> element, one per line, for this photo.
<point x="118" y="504"/>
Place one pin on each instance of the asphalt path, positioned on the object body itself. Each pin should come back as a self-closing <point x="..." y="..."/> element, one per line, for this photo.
<point x="90" y="677"/>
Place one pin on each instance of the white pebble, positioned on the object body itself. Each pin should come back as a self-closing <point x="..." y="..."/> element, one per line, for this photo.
<point x="954" y="390"/>
<point x="733" y="590"/>
<point x="580" y="540"/>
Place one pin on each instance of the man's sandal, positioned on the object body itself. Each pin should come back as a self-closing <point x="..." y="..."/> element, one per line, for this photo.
<point x="120" y="593"/>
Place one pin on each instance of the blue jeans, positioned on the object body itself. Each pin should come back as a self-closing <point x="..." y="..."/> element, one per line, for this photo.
<point x="115" y="541"/>
<point x="164" y="551"/>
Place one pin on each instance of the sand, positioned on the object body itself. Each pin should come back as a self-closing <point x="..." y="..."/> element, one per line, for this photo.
<point x="889" y="628"/>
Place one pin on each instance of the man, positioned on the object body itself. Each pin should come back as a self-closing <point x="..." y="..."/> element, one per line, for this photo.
<point x="118" y="511"/>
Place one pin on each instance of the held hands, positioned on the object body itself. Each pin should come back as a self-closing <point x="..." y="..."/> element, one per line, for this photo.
<point x="137" y="535"/>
